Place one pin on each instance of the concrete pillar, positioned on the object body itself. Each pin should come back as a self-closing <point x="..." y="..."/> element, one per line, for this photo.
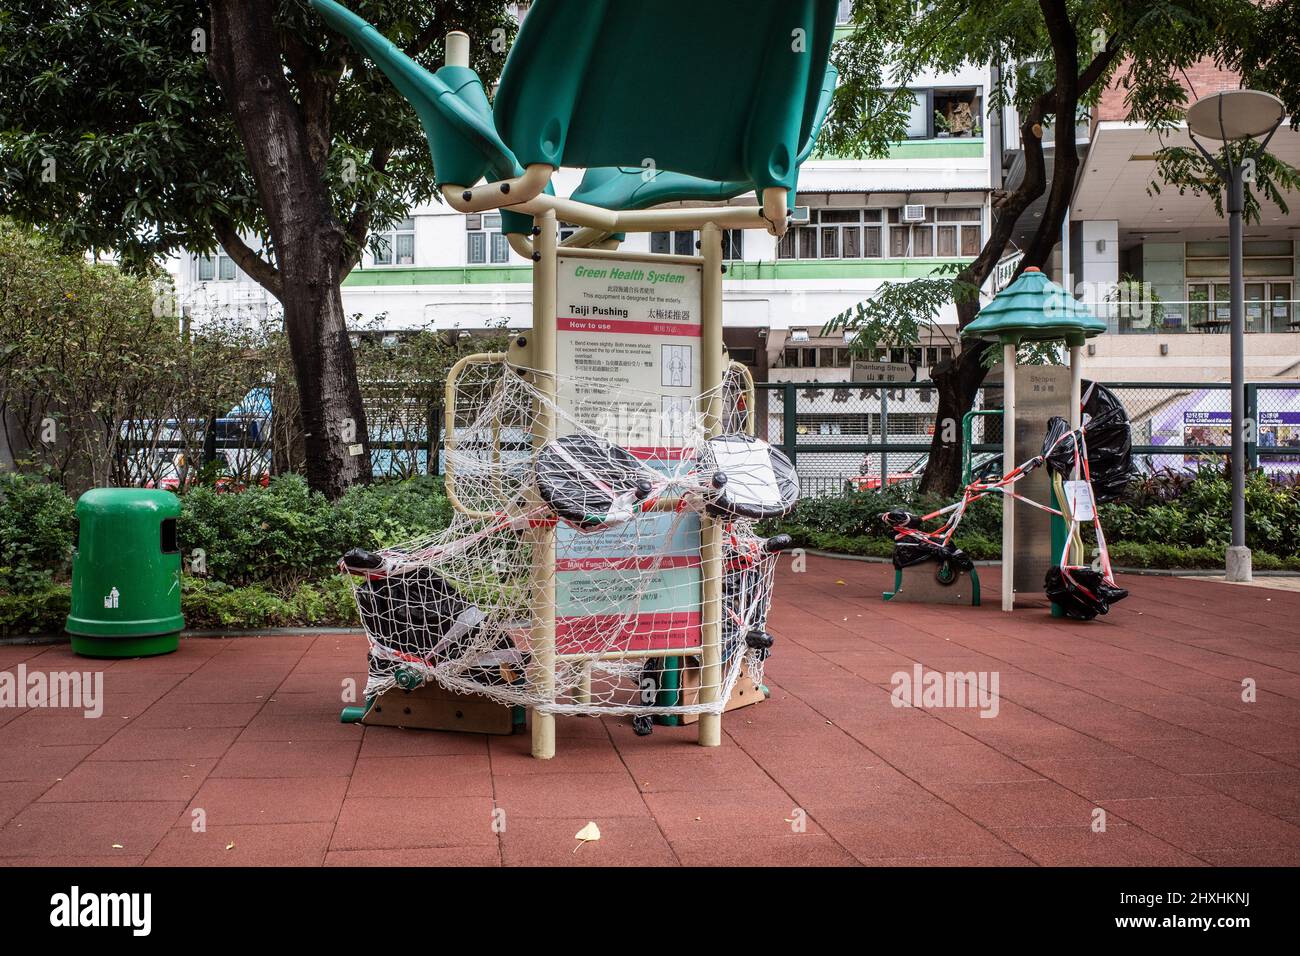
<point x="1096" y="260"/>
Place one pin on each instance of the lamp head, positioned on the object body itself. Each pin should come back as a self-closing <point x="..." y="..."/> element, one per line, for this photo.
<point x="1235" y="114"/>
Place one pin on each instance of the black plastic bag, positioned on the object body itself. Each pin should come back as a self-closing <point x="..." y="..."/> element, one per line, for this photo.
<point x="417" y="614"/>
<point x="899" y="518"/>
<point x="1082" y="595"/>
<point x="580" y="476"/>
<point x="1058" y="446"/>
<point x="912" y="551"/>
<point x="1110" y="445"/>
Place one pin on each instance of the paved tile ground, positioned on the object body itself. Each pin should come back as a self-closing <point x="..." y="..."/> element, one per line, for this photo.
<point x="1139" y="714"/>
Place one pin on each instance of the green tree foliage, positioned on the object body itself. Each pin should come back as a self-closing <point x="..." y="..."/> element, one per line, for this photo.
<point x="1053" y="58"/>
<point x="36" y="532"/>
<point x="148" y="127"/>
<point x="89" y="367"/>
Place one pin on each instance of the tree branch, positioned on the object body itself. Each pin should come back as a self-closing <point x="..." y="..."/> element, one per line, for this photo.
<point x="359" y="223"/>
<point x="261" y="271"/>
<point x="1065" y="168"/>
<point x="316" y="92"/>
<point x="1032" y="185"/>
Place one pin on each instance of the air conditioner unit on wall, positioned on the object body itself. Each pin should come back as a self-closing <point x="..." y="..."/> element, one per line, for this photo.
<point x="914" y="212"/>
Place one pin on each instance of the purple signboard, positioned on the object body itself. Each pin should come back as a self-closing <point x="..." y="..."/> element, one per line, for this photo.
<point x="1202" y="417"/>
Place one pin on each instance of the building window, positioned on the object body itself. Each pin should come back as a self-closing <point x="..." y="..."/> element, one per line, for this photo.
<point x="936" y="354"/>
<point x="950" y="112"/>
<point x="484" y="240"/>
<point x="817" y="357"/>
<point x="683" y="243"/>
<point x="845" y="12"/>
<point x="1267" y="257"/>
<point x="920" y="115"/>
<point x="476" y="250"/>
<point x="396" y="246"/>
<point x="834" y="234"/>
<point x="958" y="112"/>
<point x="946" y="231"/>
<point x="220" y="267"/>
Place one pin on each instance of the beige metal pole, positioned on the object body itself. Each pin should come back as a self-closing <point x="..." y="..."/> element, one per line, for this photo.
<point x="1008" y="462"/>
<point x="711" y="369"/>
<point x="457" y="49"/>
<point x="543" y="630"/>
<point x="449" y="425"/>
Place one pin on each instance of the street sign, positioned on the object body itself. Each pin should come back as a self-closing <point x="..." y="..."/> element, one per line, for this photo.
<point x="881" y="372"/>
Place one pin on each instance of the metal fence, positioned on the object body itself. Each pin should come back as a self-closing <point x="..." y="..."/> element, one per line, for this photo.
<point x="849" y="436"/>
<point x="244" y="446"/>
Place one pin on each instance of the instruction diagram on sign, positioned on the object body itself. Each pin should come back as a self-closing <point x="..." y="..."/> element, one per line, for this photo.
<point x="676" y="366"/>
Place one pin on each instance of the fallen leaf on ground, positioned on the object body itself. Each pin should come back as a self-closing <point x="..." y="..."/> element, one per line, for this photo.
<point x="588" y="834"/>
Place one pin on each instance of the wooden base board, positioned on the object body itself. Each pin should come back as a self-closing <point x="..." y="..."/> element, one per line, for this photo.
<point x="745" y="693"/>
<point x="431" y="707"/>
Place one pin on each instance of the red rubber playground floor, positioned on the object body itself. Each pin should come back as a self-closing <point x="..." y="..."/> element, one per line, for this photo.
<point x="1138" y="714"/>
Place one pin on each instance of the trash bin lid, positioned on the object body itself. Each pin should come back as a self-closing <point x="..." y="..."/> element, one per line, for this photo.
<point x="153" y="501"/>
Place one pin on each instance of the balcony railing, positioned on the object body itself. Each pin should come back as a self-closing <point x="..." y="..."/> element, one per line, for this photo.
<point x="1196" y="316"/>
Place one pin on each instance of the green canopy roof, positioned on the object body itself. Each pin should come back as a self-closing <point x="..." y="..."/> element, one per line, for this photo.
<point x="574" y="92"/>
<point x="628" y="187"/>
<point x="714" y="89"/>
<point x="1035" y="309"/>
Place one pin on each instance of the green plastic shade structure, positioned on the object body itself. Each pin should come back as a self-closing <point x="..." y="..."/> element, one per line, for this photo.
<point x="1034" y="309"/>
<point x="739" y="109"/>
<point x="126" y="574"/>
<point x="637" y="187"/>
<point x="575" y="89"/>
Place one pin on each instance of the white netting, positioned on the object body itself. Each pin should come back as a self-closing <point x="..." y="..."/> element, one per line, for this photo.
<point x="620" y="495"/>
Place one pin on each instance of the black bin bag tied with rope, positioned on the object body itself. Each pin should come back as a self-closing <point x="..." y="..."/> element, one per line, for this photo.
<point x="1109" y="442"/>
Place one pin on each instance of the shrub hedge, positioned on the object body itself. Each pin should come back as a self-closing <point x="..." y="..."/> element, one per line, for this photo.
<point x="1167" y="520"/>
<point x="271" y="553"/>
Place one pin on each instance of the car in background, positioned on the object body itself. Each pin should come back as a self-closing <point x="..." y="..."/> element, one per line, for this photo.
<point x="242" y="438"/>
<point x="984" y="465"/>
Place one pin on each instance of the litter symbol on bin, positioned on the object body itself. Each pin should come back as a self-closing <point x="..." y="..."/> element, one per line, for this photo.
<point x="111" y="599"/>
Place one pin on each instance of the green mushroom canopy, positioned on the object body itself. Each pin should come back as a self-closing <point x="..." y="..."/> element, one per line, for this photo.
<point x="1035" y="309"/>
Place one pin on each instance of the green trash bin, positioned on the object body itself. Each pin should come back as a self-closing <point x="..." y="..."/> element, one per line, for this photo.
<point x="126" y="574"/>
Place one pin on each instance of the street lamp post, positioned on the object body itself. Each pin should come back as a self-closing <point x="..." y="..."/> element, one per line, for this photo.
<point x="1236" y="116"/>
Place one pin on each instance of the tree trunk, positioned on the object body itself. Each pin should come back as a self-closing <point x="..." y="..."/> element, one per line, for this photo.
<point x="333" y="418"/>
<point x="958" y="382"/>
<point x="245" y="59"/>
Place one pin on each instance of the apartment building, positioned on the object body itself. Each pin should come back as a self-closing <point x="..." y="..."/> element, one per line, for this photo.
<point x="1178" y="246"/>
